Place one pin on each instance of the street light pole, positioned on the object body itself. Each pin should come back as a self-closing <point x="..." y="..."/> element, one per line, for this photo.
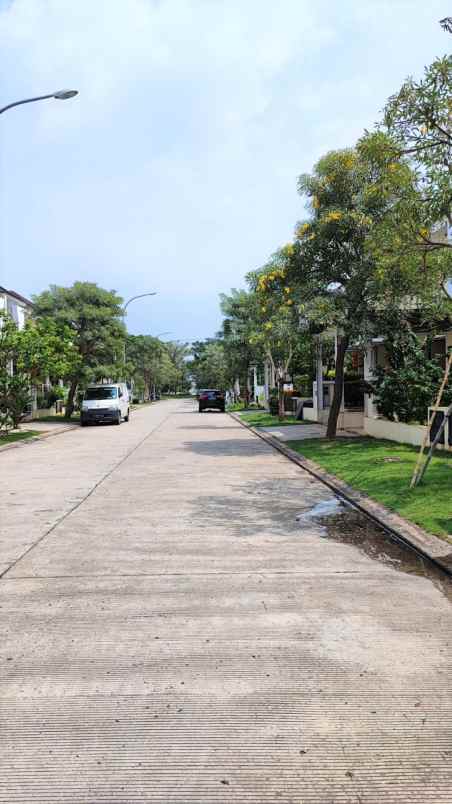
<point x="62" y="94"/>
<point x="124" y="312"/>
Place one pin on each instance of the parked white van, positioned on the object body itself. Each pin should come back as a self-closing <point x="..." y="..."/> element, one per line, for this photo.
<point x="105" y="403"/>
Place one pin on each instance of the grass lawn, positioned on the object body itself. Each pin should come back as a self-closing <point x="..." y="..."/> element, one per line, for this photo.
<point x="383" y="470"/>
<point x="261" y="418"/>
<point x="12" y="437"/>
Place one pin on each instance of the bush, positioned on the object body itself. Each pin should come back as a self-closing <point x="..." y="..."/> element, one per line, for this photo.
<point x="405" y="389"/>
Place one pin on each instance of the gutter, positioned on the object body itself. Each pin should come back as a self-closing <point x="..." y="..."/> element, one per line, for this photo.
<point x="426" y="545"/>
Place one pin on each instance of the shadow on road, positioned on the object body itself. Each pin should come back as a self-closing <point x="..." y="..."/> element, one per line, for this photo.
<point x="220" y="448"/>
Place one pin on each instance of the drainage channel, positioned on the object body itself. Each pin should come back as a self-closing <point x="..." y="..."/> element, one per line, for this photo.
<point x="338" y="520"/>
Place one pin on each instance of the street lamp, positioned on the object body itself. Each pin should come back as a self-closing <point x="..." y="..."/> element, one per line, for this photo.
<point x="124" y="309"/>
<point x="62" y="94"/>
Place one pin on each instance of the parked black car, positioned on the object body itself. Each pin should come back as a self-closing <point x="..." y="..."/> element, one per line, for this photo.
<point x="211" y="398"/>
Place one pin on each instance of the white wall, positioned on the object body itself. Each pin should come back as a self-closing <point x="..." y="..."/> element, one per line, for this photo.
<point x="395" y="431"/>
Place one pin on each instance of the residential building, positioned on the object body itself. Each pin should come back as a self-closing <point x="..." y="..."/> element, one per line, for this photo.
<point x="17" y="306"/>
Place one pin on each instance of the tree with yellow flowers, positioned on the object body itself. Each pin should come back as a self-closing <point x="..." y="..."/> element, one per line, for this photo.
<point x="276" y="327"/>
<point x="337" y="260"/>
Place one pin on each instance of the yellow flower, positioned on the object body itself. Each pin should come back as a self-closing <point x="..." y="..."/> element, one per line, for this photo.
<point x="301" y="230"/>
<point x="424" y="232"/>
<point x="332" y="216"/>
<point x="264" y="309"/>
<point x="392" y="166"/>
<point x="287" y="290"/>
<point x="268" y="325"/>
<point x="289" y="301"/>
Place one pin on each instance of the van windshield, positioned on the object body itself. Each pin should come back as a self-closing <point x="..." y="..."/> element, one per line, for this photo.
<point x="101" y="393"/>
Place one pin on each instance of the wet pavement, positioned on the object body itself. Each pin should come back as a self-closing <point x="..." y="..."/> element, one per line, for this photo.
<point x="338" y="520"/>
<point x="187" y="616"/>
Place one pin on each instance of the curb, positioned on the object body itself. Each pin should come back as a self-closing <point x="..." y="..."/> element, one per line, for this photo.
<point x="425" y="544"/>
<point x="27" y="441"/>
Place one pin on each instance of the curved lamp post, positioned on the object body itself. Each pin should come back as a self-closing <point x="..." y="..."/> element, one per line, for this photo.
<point x="62" y="94"/>
<point x="124" y="310"/>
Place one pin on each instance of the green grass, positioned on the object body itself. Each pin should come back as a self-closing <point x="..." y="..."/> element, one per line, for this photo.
<point x="264" y="419"/>
<point x="383" y="470"/>
<point x="12" y="437"/>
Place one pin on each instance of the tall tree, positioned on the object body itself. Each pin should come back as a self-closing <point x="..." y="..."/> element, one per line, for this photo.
<point x="334" y="262"/>
<point x="240" y="311"/>
<point x="277" y="321"/>
<point x="419" y="119"/>
<point x="208" y="368"/>
<point x="94" y="317"/>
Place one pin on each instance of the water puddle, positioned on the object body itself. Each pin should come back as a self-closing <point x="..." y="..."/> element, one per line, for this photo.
<point x="335" y="519"/>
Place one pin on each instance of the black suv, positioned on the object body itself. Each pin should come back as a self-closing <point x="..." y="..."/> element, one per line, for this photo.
<point x="211" y="398"/>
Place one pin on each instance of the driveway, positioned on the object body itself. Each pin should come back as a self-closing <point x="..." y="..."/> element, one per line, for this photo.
<point x="173" y="634"/>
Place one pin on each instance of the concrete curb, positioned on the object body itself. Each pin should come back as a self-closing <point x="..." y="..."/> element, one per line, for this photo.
<point x="50" y="434"/>
<point x="27" y="441"/>
<point x="425" y="544"/>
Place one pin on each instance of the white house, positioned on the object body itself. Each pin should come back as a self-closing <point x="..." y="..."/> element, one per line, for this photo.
<point x="17" y="306"/>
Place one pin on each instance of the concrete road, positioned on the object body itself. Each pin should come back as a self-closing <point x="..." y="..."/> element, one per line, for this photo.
<point x="171" y="633"/>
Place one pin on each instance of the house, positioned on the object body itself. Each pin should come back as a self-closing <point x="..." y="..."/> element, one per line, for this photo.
<point x="358" y="410"/>
<point x="17" y="306"/>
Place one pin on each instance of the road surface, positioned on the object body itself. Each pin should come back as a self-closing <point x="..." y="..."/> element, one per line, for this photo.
<point x="172" y="634"/>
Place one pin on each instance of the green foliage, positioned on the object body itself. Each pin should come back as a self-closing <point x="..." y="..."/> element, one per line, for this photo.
<point x="419" y="118"/>
<point x="46" y="349"/>
<point x="383" y="469"/>
<point x="155" y="365"/>
<point x="209" y="368"/>
<point x="92" y="317"/>
<point x="14" y="387"/>
<point x="406" y="387"/>
<point x="239" y="309"/>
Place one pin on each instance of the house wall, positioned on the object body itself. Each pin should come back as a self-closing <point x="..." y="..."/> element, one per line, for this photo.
<point x="395" y="431"/>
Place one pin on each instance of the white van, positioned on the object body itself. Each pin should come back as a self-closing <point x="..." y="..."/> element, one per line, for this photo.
<point x="105" y="403"/>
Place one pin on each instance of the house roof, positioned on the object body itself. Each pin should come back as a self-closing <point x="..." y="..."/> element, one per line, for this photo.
<point x="17" y="296"/>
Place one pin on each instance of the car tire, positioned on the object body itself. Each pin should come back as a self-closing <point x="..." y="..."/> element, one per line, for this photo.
<point x="118" y="420"/>
<point x="201" y="410"/>
<point x="126" y="418"/>
<point x="83" y="423"/>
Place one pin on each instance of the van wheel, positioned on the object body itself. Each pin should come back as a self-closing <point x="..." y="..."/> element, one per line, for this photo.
<point x="118" y="420"/>
<point x="126" y="418"/>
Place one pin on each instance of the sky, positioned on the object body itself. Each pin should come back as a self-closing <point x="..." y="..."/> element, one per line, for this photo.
<point x="175" y="168"/>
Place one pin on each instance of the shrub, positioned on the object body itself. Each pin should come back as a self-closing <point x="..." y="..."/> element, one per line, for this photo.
<point x="405" y="389"/>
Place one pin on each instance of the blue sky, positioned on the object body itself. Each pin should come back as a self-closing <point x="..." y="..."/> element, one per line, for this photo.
<point x="175" y="168"/>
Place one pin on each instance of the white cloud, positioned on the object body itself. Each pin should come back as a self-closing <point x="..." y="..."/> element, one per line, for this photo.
<point x="177" y="163"/>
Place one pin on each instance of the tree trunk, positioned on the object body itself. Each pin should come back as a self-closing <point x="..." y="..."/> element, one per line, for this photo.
<point x="281" y="409"/>
<point x="342" y="345"/>
<point x="70" y="399"/>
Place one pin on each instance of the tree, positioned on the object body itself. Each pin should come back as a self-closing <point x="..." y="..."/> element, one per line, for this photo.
<point x="334" y="261"/>
<point x="93" y="317"/>
<point x="46" y="350"/>
<point x="418" y="117"/>
<point x="276" y="321"/>
<point x="14" y="385"/>
<point x="178" y="353"/>
<point x="208" y="368"/>
<point x="150" y="364"/>
<point x="240" y="311"/>
<point x="28" y="356"/>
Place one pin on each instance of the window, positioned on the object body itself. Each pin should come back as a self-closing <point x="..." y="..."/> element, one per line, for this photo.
<point x="101" y="393"/>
